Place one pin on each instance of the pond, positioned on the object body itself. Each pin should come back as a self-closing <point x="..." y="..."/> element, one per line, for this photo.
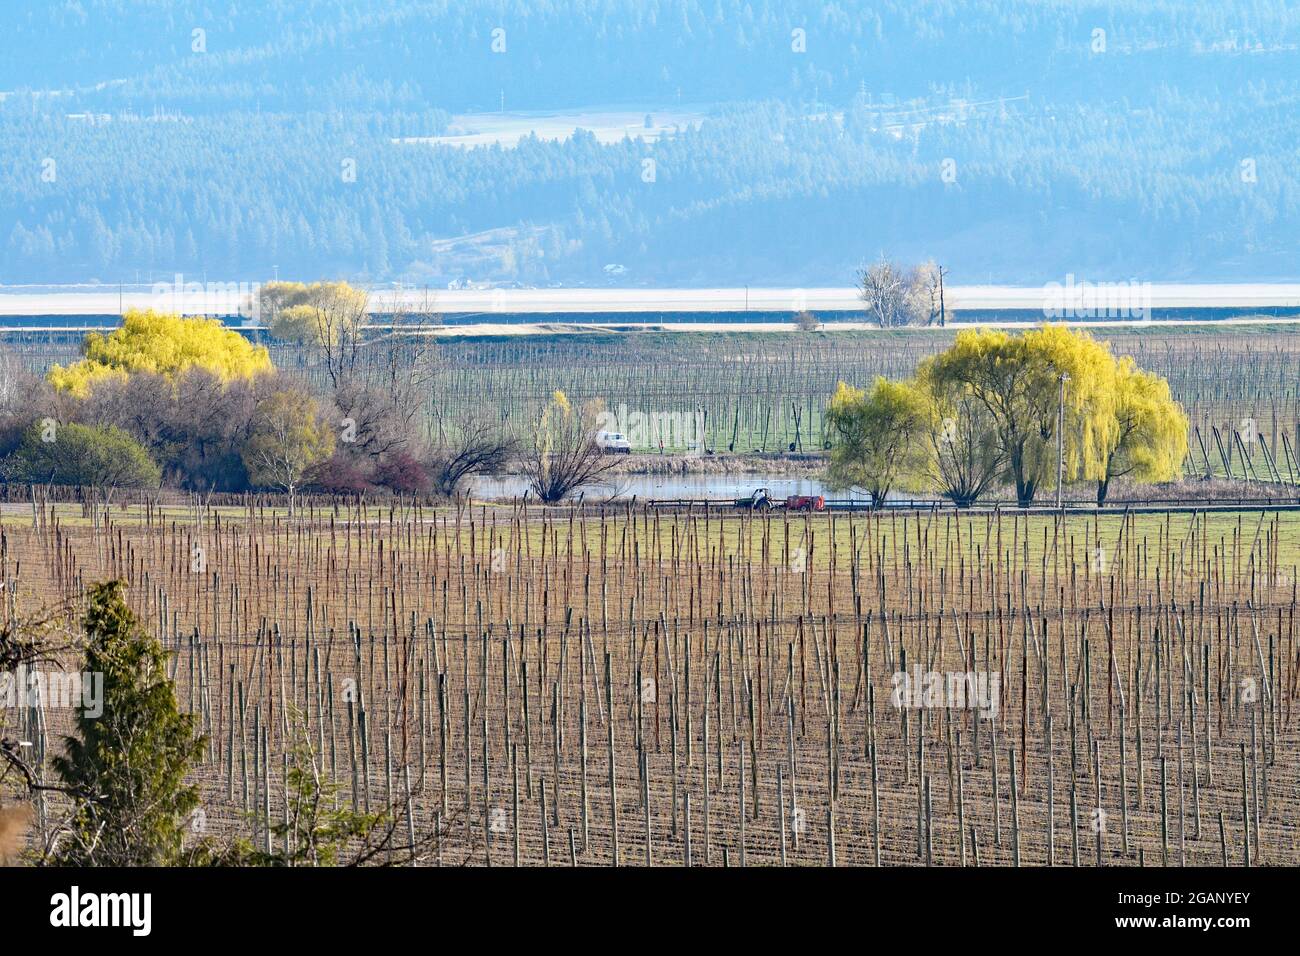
<point x="698" y="487"/>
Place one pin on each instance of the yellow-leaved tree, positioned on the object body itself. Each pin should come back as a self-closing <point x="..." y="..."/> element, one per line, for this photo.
<point x="1025" y="382"/>
<point x="876" y="437"/>
<point x="164" y="344"/>
<point x="330" y="319"/>
<point x="997" y="407"/>
<point x="1150" y="441"/>
<point x="275" y="297"/>
<point x="322" y="313"/>
<point x="963" y="457"/>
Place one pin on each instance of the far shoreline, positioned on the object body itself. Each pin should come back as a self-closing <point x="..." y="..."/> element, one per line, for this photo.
<point x="228" y="297"/>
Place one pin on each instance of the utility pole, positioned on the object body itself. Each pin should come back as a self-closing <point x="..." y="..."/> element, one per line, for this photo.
<point x="943" y="317"/>
<point x="1060" y="444"/>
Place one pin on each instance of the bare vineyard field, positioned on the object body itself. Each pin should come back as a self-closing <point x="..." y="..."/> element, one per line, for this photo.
<point x="557" y="686"/>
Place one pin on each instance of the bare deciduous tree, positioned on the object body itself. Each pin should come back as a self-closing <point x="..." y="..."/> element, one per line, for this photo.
<point x="895" y="295"/>
<point x="25" y="642"/>
<point x="12" y="375"/>
<point x="341" y="314"/>
<point x="925" y="293"/>
<point x="373" y="424"/>
<point x="883" y="289"/>
<point x="563" y="455"/>
<point x="473" y="446"/>
<point x="402" y="361"/>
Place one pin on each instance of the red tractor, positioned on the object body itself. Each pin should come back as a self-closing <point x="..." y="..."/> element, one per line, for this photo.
<point x="805" y="503"/>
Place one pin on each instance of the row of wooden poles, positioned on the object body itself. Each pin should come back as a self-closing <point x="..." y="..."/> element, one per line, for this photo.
<point x="633" y="688"/>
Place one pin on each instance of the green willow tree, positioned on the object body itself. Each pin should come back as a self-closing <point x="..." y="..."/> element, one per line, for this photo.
<point x="963" y="459"/>
<point x="875" y="445"/>
<point x="125" y="769"/>
<point x="997" y="408"/>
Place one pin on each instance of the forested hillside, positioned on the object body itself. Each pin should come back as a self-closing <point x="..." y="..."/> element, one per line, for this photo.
<point x="1014" y="141"/>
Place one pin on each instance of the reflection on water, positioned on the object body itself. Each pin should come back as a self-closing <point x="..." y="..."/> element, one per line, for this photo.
<point x="701" y="487"/>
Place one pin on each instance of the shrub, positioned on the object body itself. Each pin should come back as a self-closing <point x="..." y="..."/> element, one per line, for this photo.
<point x="336" y="475"/>
<point x="806" y="321"/>
<point x="400" y="472"/>
<point x="85" y="455"/>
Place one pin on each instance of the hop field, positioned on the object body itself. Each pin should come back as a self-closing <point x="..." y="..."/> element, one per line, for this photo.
<point x="767" y="392"/>
<point x="624" y="686"/>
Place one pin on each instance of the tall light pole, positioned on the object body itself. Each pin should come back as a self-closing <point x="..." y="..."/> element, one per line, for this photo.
<point x="1060" y="443"/>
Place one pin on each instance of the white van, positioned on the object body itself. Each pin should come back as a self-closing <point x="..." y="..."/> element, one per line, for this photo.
<point x="613" y="443"/>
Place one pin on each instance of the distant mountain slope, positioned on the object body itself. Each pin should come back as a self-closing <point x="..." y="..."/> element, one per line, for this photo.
<point x="1016" y="141"/>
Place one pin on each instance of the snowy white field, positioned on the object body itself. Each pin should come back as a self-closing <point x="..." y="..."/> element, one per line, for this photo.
<point x="227" y="300"/>
<point x="833" y="299"/>
<point x="608" y="126"/>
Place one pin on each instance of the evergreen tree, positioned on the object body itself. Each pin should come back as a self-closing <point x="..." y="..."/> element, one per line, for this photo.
<point x="126" y="768"/>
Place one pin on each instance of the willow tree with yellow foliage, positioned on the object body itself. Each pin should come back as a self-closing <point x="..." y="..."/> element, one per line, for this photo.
<point x="1028" y="383"/>
<point x="320" y="313"/>
<point x="874" y="437"/>
<point x="163" y="344"/>
<point x="963" y="459"/>
<point x="1016" y="408"/>
<point x="328" y="318"/>
<point x="1150" y="441"/>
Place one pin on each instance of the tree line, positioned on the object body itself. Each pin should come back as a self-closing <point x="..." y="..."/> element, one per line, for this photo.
<point x="1032" y="411"/>
<point x="189" y="403"/>
<point x="169" y="401"/>
<point x="336" y="53"/>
